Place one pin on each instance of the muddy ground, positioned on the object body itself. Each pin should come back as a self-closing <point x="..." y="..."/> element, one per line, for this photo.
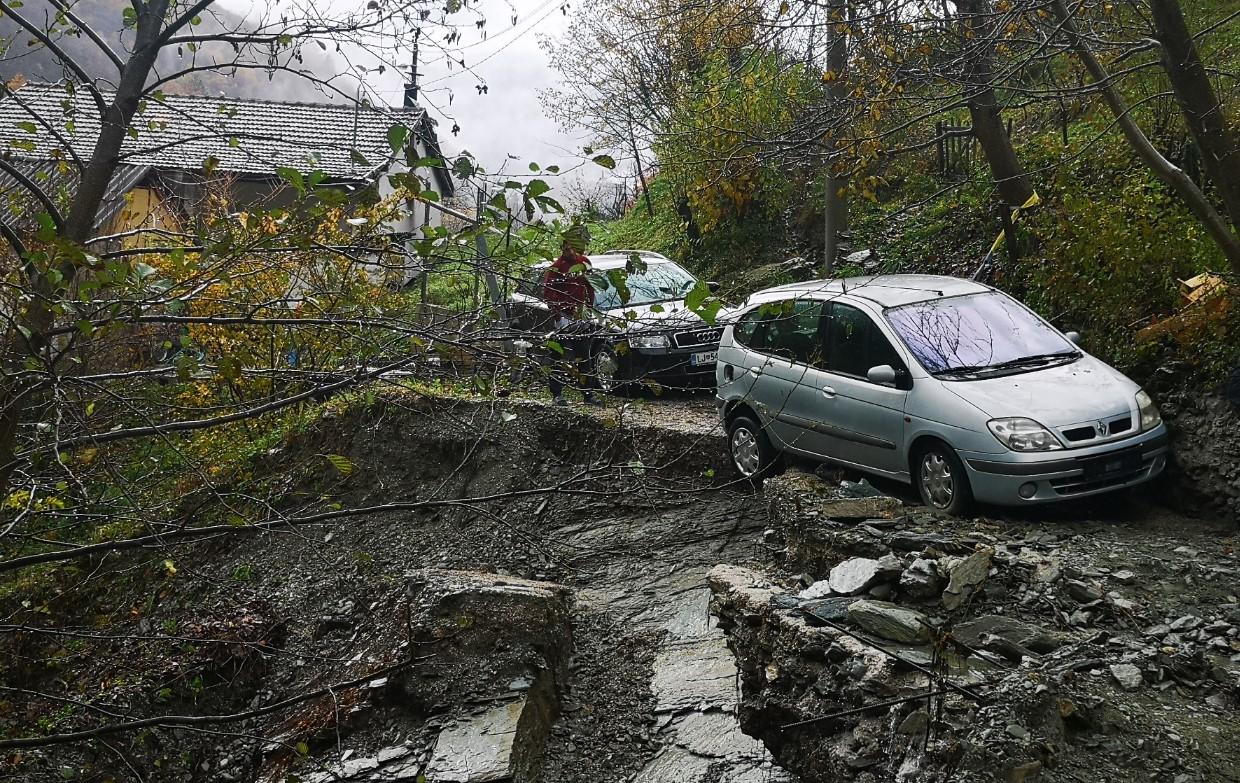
<point x="645" y="509"/>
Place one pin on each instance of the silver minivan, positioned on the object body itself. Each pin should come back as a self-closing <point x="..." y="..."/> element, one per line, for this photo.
<point x="946" y="384"/>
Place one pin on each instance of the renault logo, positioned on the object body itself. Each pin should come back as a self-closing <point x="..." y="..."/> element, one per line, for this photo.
<point x="1101" y="427"/>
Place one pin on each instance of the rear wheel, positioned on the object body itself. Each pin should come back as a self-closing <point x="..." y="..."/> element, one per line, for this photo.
<point x="751" y="450"/>
<point x="941" y="480"/>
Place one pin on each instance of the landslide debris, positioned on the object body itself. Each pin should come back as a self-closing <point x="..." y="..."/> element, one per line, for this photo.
<point x="993" y="651"/>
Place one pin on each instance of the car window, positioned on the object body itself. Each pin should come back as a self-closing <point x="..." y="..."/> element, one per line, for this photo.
<point x="791" y="330"/>
<point x="855" y="344"/>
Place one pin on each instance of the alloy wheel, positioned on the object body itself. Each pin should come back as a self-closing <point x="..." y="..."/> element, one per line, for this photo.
<point x="605" y="369"/>
<point x="937" y="479"/>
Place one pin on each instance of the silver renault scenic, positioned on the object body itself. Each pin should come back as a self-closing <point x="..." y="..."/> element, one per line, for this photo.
<point x="947" y="384"/>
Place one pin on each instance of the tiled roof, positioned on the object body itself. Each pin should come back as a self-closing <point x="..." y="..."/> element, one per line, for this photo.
<point x="58" y="181"/>
<point x="182" y="131"/>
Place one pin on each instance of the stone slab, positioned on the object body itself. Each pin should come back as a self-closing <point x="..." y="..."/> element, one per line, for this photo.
<point x="479" y="749"/>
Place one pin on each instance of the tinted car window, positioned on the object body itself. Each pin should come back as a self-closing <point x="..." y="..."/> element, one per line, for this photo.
<point x="855" y="343"/>
<point x="791" y="330"/>
<point x="659" y="282"/>
<point x="977" y="330"/>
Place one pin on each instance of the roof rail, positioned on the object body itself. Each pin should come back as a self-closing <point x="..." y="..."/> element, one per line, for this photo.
<point x="650" y="253"/>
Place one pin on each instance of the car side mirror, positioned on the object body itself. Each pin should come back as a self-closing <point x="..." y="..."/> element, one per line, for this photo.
<point x="713" y="285"/>
<point x="883" y="374"/>
<point x="1074" y="337"/>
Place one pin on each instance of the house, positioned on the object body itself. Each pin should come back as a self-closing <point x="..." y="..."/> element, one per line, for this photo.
<point x="181" y="147"/>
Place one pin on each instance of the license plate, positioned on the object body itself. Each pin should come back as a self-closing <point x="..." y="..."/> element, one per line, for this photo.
<point x="705" y="357"/>
<point x="1111" y="464"/>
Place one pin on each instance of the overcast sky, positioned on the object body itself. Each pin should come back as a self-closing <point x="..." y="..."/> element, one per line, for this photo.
<point x="508" y="119"/>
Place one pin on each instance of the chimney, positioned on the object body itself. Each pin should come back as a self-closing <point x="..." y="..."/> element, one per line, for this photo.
<point x="411" y="89"/>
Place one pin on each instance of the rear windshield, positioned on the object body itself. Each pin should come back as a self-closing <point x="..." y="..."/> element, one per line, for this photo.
<point x="974" y="331"/>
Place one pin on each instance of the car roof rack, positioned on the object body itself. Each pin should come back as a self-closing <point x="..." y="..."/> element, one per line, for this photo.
<point x="626" y="251"/>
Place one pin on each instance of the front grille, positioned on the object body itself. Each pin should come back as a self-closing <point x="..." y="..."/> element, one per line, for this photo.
<point x="1099" y="430"/>
<point x="695" y="337"/>
<point x="1079" y="433"/>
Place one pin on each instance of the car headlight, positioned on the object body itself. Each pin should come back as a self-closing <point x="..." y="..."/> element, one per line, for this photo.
<point x="1023" y="435"/>
<point x="1150" y="417"/>
<point x="649" y="341"/>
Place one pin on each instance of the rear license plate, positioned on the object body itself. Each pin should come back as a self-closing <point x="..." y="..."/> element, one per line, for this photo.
<point x="1112" y="464"/>
<point x="705" y="357"/>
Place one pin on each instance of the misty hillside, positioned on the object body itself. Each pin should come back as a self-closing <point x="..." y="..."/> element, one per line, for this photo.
<point x="37" y="63"/>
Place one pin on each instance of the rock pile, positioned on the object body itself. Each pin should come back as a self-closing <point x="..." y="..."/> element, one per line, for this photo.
<point x="931" y="650"/>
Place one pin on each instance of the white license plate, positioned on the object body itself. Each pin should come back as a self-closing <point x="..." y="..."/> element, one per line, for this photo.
<point x="705" y="357"/>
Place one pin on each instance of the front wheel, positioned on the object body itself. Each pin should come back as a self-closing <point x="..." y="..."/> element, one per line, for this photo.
<point x="608" y="371"/>
<point x="941" y="480"/>
<point x="751" y="450"/>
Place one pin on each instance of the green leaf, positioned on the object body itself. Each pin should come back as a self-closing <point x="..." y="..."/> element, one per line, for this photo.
<point x="619" y="280"/>
<point x="463" y="167"/>
<point x="606" y="161"/>
<point x="534" y="167"/>
<point x="293" y="177"/>
<point x="29" y="127"/>
<point x="700" y="302"/>
<point x="341" y="464"/>
<point x="358" y="158"/>
<point x="303" y="749"/>
<point x="536" y="188"/>
<point x="397" y="135"/>
<point x="552" y="345"/>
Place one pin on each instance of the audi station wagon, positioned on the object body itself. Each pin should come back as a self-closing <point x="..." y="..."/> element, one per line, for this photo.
<point x="648" y="335"/>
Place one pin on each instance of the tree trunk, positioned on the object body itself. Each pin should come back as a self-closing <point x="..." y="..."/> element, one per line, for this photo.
<point x="976" y="21"/>
<point x="835" y="206"/>
<point x="39" y="316"/>
<point x="1168" y="173"/>
<point x="1193" y="91"/>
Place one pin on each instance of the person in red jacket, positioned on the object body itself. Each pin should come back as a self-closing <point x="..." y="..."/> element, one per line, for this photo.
<point x="569" y="295"/>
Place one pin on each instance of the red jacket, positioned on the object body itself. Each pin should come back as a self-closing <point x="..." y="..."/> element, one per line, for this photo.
<point x="566" y="292"/>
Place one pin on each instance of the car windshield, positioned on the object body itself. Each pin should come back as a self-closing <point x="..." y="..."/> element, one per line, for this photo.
<point x="977" y="332"/>
<point x="660" y="282"/>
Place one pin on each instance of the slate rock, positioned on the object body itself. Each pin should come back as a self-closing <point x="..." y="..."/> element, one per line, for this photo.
<point x="855" y="575"/>
<point x="819" y="589"/>
<point x="1022" y="634"/>
<point x="1128" y="676"/>
<point x="832" y="609"/>
<point x="1083" y="593"/>
<point x="965" y="575"/>
<point x="889" y="621"/>
<point x="921" y="579"/>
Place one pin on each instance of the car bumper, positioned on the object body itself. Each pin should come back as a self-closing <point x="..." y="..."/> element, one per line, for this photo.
<point x="1013" y="479"/>
<point x="670" y="366"/>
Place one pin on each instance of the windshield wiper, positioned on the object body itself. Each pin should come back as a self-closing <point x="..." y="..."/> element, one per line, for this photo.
<point x="1038" y="358"/>
<point x="1042" y="358"/>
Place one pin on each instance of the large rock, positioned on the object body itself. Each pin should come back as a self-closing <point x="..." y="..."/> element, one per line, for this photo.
<point x="921" y="580"/>
<point x="858" y="574"/>
<point x="965" y="576"/>
<point x="975" y="633"/>
<point x="889" y="621"/>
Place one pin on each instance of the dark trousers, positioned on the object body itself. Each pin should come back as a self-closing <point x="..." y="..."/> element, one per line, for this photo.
<point x="572" y="368"/>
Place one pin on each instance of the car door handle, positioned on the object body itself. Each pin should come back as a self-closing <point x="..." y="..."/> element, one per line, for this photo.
<point x="756" y="370"/>
<point x="828" y="392"/>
